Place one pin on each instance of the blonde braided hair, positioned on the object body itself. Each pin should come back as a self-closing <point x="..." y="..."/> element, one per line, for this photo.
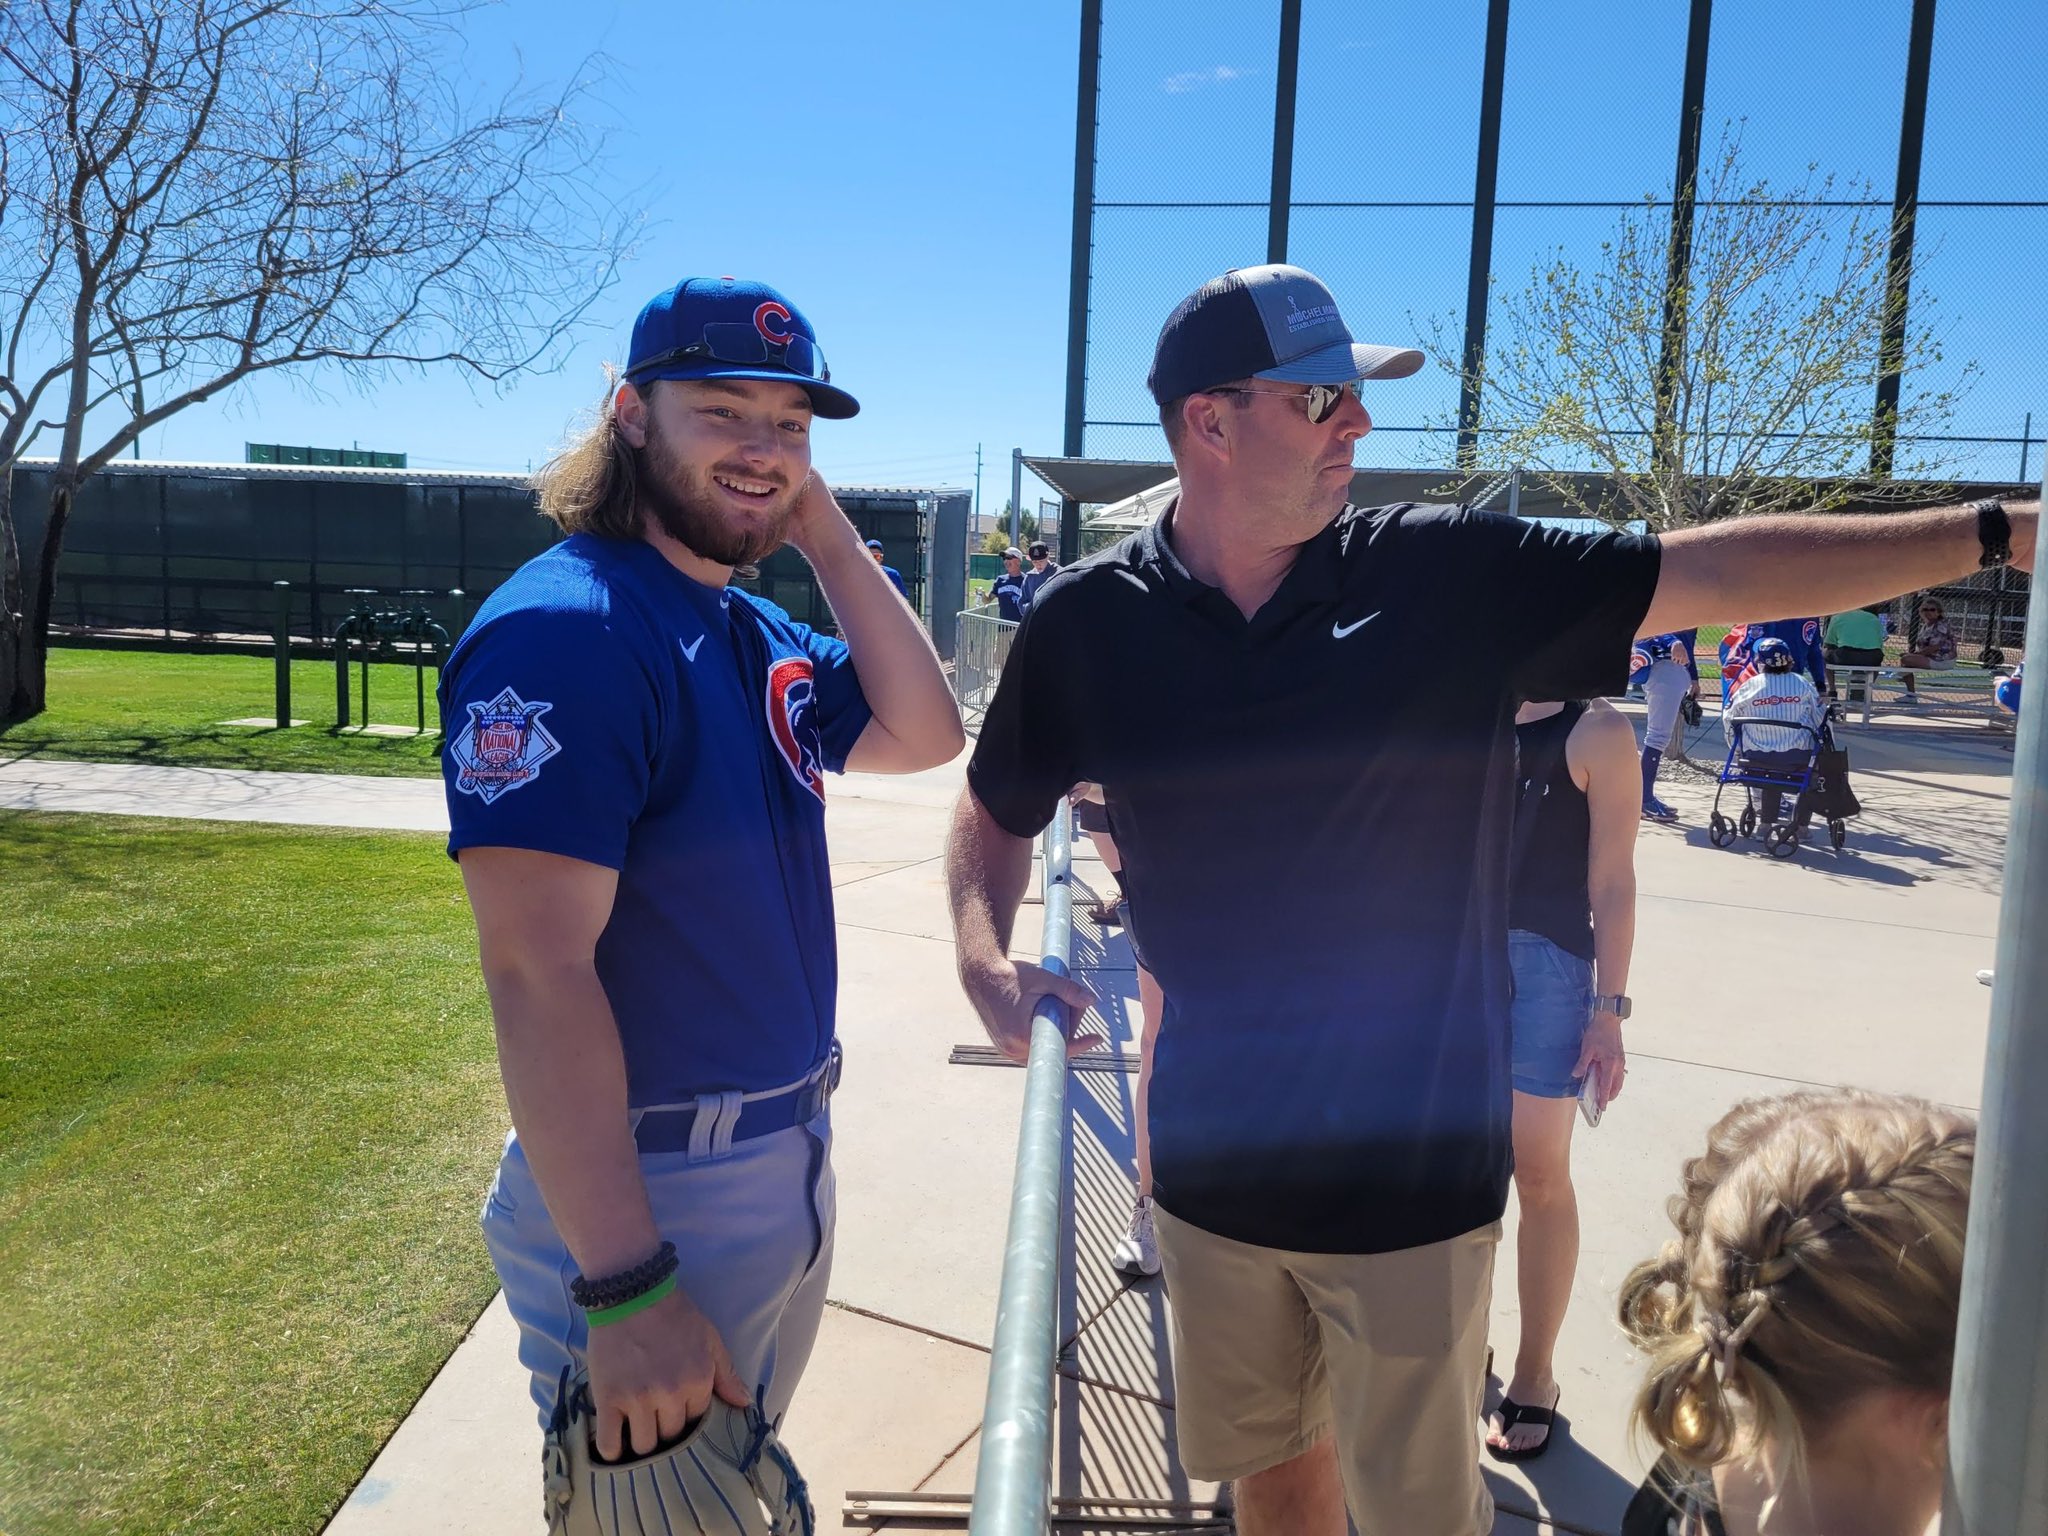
<point x="1818" y="1257"/>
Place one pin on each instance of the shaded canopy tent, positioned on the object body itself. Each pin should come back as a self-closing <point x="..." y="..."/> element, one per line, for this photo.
<point x="1131" y="494"/>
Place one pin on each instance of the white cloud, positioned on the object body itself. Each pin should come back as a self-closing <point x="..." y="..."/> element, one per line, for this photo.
<point x="1195" y="79"/>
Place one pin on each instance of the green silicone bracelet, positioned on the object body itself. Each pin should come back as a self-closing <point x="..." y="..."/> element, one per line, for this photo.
<point x="626" y="1309"/>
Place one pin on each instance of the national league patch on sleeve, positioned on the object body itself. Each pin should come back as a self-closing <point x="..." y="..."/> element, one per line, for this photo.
<point x="502" y="747"/>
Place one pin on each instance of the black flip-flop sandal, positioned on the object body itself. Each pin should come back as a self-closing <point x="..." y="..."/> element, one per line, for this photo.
<point x="1513" y="1413"/>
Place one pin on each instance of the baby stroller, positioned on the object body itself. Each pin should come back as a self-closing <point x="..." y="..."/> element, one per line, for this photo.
<point x="1818" y="785"/>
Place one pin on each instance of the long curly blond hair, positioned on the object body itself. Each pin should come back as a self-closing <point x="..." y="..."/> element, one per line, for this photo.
<point x="592" y="484"/>
<point x="1819" y="1256"/>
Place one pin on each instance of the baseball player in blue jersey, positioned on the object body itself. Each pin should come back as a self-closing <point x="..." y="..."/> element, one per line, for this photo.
<point x="1802" y="638"/>
<point x="635" y="774"/>
<point x="895" y="576"/>
<point x="1662" y="666"/>
<point x="2006" y="691"/>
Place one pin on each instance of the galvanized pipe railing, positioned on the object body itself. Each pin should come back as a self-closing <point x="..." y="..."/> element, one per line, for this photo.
<point x="1998" y="1408"/>
<point x="1013" y="1487"/>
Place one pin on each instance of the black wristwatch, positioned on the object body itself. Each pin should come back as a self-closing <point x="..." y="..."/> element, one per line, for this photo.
<point x="1994" y="532"/>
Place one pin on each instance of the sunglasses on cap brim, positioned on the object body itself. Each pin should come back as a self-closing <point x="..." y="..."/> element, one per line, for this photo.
<point x="1320" y="400"/>
<point x="742" y="344"/>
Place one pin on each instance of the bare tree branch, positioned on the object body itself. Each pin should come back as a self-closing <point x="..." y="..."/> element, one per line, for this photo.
<point x="196" y="192"/>
<point x="1770" y="405"/>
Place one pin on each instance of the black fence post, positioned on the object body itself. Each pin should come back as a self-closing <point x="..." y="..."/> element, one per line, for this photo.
<point x="1280" y="202"/>
<point x="283" y="589"/>
<point x="1479" y="271"/>
<point x="1898" y="280"/>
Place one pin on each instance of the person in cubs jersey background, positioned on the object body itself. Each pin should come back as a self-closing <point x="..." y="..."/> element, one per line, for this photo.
<point x="635" y="770"/>
<point x="1664" y="668"/>
<point x="1738" y="652"/>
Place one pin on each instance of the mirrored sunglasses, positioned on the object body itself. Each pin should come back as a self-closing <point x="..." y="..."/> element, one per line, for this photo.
<point x="742" y="344"/>
<point x="1320" y="400"/>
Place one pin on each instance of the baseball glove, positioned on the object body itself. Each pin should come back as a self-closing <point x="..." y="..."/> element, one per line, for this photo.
<point x="727" y="1476"/>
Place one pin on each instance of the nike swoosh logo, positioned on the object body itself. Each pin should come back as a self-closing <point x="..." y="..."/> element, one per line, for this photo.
<point x="1339" y="631"/>
<point x="690" y="650"/>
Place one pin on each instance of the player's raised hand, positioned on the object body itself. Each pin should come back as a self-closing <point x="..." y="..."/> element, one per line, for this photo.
<point x="816" y="517"/>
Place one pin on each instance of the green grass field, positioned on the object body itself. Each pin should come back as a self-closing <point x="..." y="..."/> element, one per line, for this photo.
<point x="248" y="1110"/>
<point x="146" y="707"/>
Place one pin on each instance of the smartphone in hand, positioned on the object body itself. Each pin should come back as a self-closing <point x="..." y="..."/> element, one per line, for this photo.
<point x="1589" y="1097"/>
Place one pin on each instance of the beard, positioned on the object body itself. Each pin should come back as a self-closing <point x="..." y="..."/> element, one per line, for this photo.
<point x="693" y="511"/>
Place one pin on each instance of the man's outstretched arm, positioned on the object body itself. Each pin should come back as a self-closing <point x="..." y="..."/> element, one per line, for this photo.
<point x="1789" y="567"/>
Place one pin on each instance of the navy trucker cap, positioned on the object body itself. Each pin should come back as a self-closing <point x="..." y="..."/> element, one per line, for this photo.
<point x="729" y="328"/>
<point x="1270" y="322"/>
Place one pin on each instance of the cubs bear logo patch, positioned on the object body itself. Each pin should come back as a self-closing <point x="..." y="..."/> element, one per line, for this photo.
<point x="502" y="747"/>
<point x="792" y="703"/>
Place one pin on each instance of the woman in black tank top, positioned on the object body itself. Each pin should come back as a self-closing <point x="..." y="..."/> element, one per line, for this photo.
<point x="1571" y="920"/>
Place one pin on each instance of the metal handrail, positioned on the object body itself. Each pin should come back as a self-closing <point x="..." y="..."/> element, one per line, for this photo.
<point x="1998" y="1404"/>
<point x="1013" y="1486"/>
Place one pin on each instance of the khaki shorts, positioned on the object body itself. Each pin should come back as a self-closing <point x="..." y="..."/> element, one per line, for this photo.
<point x="1273" y="1351"/>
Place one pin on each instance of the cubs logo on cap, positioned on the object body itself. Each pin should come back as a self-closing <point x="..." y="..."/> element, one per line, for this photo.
<point x="731" y="328"/>
<point x="1271" y="322"/>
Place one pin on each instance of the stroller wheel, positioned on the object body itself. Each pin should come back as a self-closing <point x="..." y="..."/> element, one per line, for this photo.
<point x="1838" y="834"/>
<point x="1720" y="830"/>
<point x="1781" y="842"/>
<point x="1748" y="823"/>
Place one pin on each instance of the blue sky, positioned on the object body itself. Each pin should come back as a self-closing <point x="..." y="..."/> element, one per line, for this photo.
<point x="903" y="171"/>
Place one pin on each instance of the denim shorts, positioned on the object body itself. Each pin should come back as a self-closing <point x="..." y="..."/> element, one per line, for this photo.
<point x="1552" y="1010"/>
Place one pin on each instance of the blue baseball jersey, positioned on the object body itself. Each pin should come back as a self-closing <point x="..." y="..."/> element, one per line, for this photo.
<point x="1738" y="652"/>
<point x="606" y="707"/>
<point x="1678" y="646"/>
<point x="896" y="580"/>
<point x="1008" y="591"/>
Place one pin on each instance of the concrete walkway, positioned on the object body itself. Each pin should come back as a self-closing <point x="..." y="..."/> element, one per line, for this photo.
<point x="1867" y="978"/>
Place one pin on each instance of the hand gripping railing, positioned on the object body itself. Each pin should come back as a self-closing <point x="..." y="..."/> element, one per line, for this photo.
<point x="1013" y="1488"/>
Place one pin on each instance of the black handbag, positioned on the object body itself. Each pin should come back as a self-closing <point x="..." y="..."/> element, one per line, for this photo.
<point x="1831" y="798"/>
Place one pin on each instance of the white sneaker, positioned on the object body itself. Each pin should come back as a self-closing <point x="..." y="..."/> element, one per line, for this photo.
<point x="1985" y="978"/>
<point x="1137" y="1253"/>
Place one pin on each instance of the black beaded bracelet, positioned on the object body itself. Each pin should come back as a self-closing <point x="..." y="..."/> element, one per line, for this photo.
<point x="613" y="1290"/>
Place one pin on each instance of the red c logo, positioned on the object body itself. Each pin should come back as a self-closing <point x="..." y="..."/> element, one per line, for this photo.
<point x="772" y="311"/>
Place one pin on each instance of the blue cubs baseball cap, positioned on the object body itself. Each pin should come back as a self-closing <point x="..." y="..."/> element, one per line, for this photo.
<point x="1270" y="322"/>
<point x="729" y="328"/>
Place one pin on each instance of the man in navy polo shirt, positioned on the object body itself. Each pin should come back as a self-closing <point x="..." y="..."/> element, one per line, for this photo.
<point x="1330" y="1105"/>
<point x="1042" y="570"/>
<point x="635" y="771"/>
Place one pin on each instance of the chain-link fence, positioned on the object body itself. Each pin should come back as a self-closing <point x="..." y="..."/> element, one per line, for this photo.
<point x="1380" y="181"/>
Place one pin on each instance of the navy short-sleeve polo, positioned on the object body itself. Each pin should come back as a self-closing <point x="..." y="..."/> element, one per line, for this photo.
<point x="1313" y="809"/>
<point x="606" y="707"/>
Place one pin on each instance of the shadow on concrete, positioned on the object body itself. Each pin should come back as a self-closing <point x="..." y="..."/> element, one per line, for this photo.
<point x="1815" y="854"/>
<point x="1572" y="1486"/>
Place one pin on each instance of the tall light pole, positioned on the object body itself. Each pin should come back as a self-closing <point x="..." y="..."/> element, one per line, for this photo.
<point x="1017" y="496"/>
